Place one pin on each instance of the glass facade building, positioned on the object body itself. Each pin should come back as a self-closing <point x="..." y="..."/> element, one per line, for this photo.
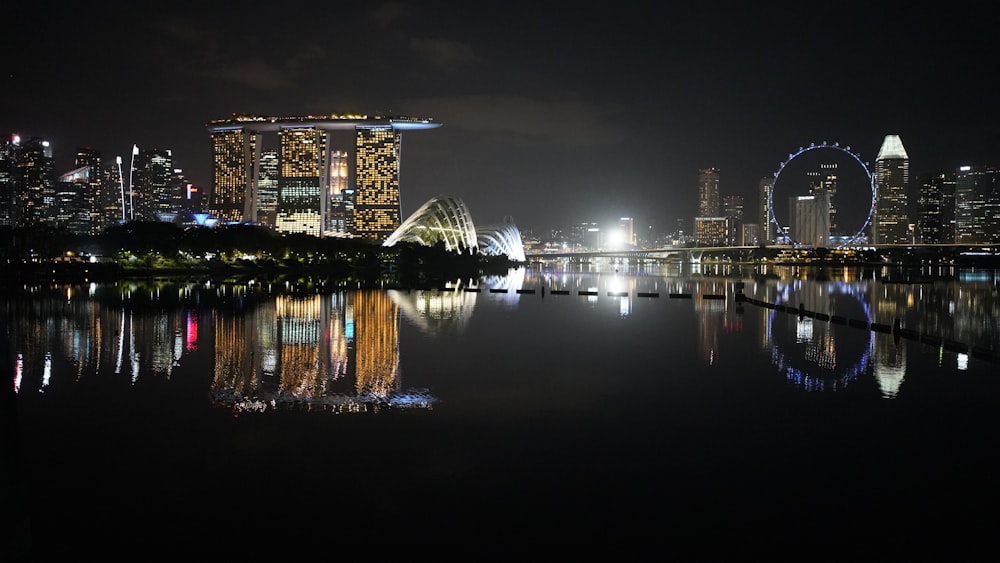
<point x="233" y="198"/>
<point x="376" y="199"/>
<point x="303" y="162"/>
<point x="892" y="176"/>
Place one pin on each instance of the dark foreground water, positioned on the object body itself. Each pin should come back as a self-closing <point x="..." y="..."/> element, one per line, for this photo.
<point x="649" y="411"/>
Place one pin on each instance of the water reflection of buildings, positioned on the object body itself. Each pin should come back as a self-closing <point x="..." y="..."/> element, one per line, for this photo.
<point x="79" y="331"/>
<point x="337" y="352"/>
<point x="711" y="315"/>
<point x="815" y="353"/>
<point x="340" y="351"/>
<point x="965" y="312"/>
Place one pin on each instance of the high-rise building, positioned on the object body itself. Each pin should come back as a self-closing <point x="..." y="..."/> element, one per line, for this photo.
<point x="155" y="194"/>
<point x="235" y="153"/>
<point x="377" y="207"/>
<point x="823" y="183"/>
<point x="710" y="231"/>
<point x="96" y="195"/>
<point x="709" y="225"/>
<point x="304" y="169"/>
<point x="892" y="176"/>
<point x="708" y="192"/>
<point x="936" y="208"/>
<point x="340" y="202"/>
<point x="302" y="181"/>
<point x="811" y="220"/>
<point x="977" y="205"/>
<point x="768" y="231"/>
<point x="627" y="227"/>
<point x="35" y="178"/>
<point x="73" y="201"/>
<point x="116" y="210"/>
<point x="188" y="196"/>
<point x="750" y="234"/>
<point x="267" y="189"/>
<point x="10" y="146"/>
<point x="733" y="212"/>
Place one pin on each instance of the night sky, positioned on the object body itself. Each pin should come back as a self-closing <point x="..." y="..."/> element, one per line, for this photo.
<point x="553" y="113"/>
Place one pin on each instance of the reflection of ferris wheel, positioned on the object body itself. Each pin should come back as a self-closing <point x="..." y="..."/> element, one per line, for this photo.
<point x="823" y="145"/>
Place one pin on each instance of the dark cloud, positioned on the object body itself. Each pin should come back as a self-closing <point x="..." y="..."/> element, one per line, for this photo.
<point x="444" y="54"/>
<point x="389" y="12"/>
<point x="255" y="74"/>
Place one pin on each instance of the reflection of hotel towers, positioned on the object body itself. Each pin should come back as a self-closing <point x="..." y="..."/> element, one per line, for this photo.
<point x="376" y="343"/>
<point x="310" y="344"/>
<point x="301" y="341"/>
<point x="305" y="338"/>
<point x="237" y="344"/>
<point x="305" y="163"/>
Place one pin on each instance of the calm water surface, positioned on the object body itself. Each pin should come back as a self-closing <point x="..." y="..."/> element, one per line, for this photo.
<point x="623" y="406"/>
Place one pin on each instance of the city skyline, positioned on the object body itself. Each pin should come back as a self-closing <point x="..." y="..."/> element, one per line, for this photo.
<point x="551" y="116"/>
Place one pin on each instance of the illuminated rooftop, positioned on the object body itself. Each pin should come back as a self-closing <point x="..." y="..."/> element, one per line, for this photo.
<point x="892" y="147"/>
<point x="334" y="122"/>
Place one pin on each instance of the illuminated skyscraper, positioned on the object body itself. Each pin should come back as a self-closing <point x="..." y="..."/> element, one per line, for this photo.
<point x="709" y="225"/>
<point x="936" y="208"/>
<point x="710" y="231"/>
<point x="892" y="175"/>
<point x="302" y="182"/>
<point x="154" y="192"/>
<point x="627" y="227"/>
<point x="73" y="202"/>
<point x="340" y="201"/>
<point x="376" y="201"/>
<point x="977" y="204"/>
<point x="733" y="211"/>
<point x="767" y="228"/>
<point x="116" y="209"/>
<point x="233" y="198"/>
<point x="708" y="192"/>
<point x="96" y="193"/>
<point x="823" y="183"/>
<point x="267" y="189"/>
<point x="811" y="220"/>
<point x="36" y="183"/>
<point x="9" y="147"/>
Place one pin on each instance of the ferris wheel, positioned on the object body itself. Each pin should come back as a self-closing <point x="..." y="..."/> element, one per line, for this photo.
<point x="814" y="146"/>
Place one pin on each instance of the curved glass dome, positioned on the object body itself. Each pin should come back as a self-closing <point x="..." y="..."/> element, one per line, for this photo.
<point x="446" y="219"/>
<point x="441" y="219"/>
<point x="502" y="239"/>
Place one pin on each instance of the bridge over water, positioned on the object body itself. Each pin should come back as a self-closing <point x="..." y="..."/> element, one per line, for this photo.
<point x="988" y="252"/>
